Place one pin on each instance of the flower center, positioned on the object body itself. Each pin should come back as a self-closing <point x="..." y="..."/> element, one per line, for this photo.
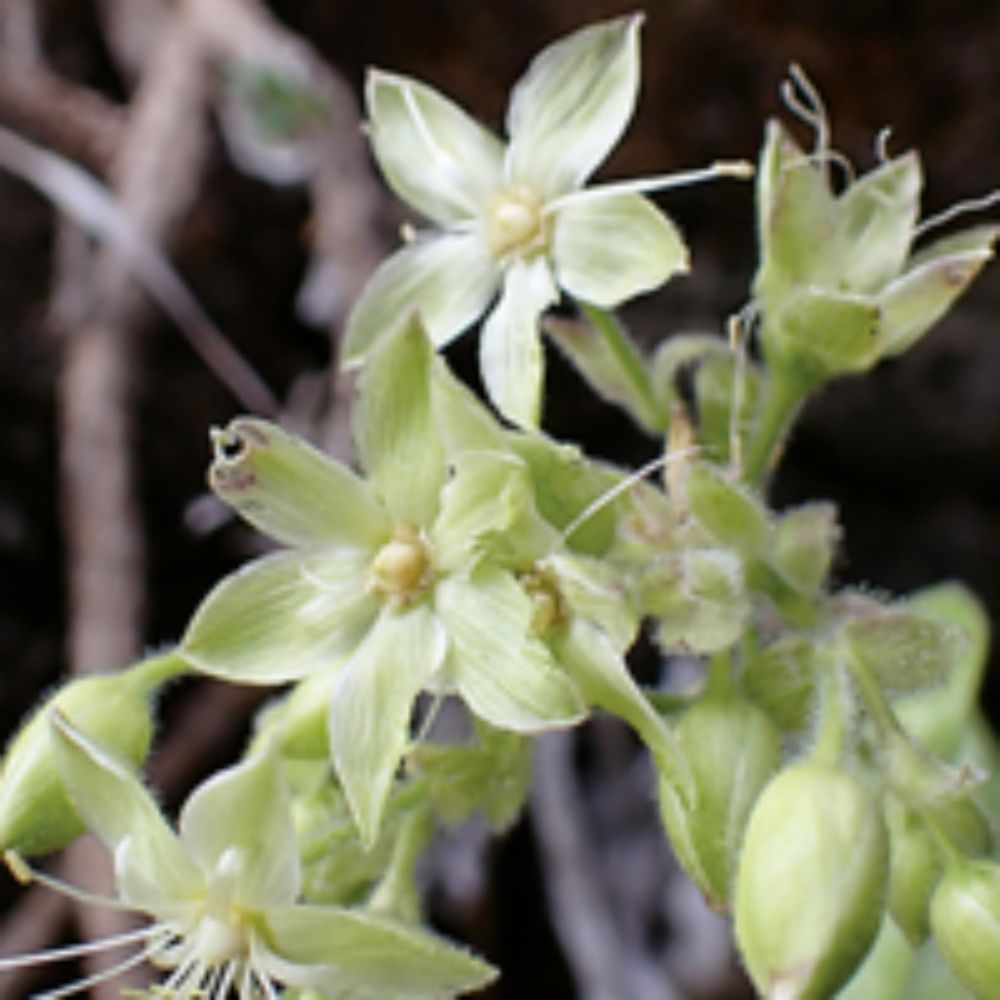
<point x="549" y="612"/>
<point x="515" y="224"/>
<point x="402" y="569"/>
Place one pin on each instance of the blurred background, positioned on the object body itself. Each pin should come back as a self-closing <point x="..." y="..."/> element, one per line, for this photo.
<point x="228" y="132"/>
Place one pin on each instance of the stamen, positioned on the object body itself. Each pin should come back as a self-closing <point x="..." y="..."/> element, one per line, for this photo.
<point x="961" y="208"/>
<point x="739" y="169"/>
<point x="98" y="977"/>
<point x="822" y="158"/>
<point x="741" y="328"/>
<point x="882" y="144"/>
<point x="67" y="952"/>
<point x="809" y="107"/>
<point x="617" y="490"/>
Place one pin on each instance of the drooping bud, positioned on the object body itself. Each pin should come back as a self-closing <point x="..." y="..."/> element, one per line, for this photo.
<point x="811" y="882"/>
<point x="114" y="710"/>
<point x="965" y="919"/>
<point x="732" y="749"/>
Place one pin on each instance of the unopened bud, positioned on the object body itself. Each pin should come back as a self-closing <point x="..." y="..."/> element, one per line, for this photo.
<point x="114" y="710"/>
<point x="811" y="882"/>
<point x="731" y="748"/>
<point x="965" y="919"/>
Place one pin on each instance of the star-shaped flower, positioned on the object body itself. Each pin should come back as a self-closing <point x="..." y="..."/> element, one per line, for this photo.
<point x="515" y="220"/>
<point x="402" y="582"/>
<point x="222" y="893"/>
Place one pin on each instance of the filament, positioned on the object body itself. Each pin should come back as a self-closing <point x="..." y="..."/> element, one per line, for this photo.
<point x="803" y="100"/>
<point x="618" y="489"/>
<point x="79" y="985"/>
<point x="26" y="874"/>
<point x="882" y="144"/>
<point x="740" y="329"/>
<point x="79" y="950"/>
<point x="739" y="169"/>
<point x="961" y="208"/>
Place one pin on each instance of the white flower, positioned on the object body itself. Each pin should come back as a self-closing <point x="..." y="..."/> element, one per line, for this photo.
<point x="222" y="894"/>
<point x="515" y="219"/>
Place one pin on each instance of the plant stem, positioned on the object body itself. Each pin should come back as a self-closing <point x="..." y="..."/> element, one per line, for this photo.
<point x="782" y="400"/>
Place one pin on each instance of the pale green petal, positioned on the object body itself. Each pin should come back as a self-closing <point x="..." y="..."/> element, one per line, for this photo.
<point x="447" y="279"/>
<point x="239" y="823"/>
<point x="572" y="106"/>
<point x="394" y="426"/>
<point x="797" y="218"/>
<point x="151" y="865"/>
<point x="371" y="706"/>
<point x="913" y="303"/>
<point x="505" y="673"/>
<point x="331" y="949"/>
<point x="878" y="213"/>
<point x="510" y="351"/>
<point x="607" y="249"/>
<point x="281" y="617"/>
<point x="463" y="420"/>
<point x="290" y="490"/>
<point x="437" y="158"/>
<point x="594" y="590"/>
<point x="600" y="670"/>
<point x="488" y="504"/>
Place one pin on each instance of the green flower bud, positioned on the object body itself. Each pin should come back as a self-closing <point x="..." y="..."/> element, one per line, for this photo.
<point x="699" y="597"/>
<point x="965" y="918"/>
<point x="732" y="749"/>
<point x="914" y="870"/>
<point x="781" y="679"/>
<point x="811" y="882"/>
<point x="804" y="543"/>
<point x="114" y="710"/>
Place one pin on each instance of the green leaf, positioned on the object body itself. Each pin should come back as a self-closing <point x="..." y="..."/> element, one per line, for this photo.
<point x="939" y="718"/>
<point x="781" y="679"/>
<point x="510" y="350"/>
<point x="151" y="866"/>
<point x="331" y="949"/>
<point x="282" y="617"/>
<point x="904" y="651"/>
<point x="572" y="106"/>
<point x="369" y="725"/>
<point x="503" y="671"/>
<point x="437" y="158"/>
<point x="394" y="427"/>
<point x="609" y="248"/>
<point x="243" y="816"/>
<point x="290" y="490"/>
<point x="878" y="213"/>
<point x="446" y="279"/>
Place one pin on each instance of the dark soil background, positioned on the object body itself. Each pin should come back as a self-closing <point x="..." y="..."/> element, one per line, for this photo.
<point x="909" y="453"/>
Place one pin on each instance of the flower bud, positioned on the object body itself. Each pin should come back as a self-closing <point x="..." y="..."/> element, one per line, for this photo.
<point x="804" y="543"/>
<point x="114" y="710"/>
<point x="731" y="748"/>
<point x="914" y="869"/>
<point x="965" y="919"/>
<point x="810" y="883"/>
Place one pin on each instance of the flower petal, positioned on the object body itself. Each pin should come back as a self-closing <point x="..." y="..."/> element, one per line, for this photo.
<point x="510" y="351"/>
<point x="247" y="810"/>
<point x="330" y="949"/>
<point x="150" y="863"/>
<point x="608" y="249"/>
<point x="488" y="505"/>
<point x="572" y="106"/>
<point x="499" y="666"/>
<point x="372" y="701"/>
<point x="437" y="158"/>
<point x="877" y="214"/>
<point x="281" y="617"/>
<point x="448" y="280"/>
<point x="394" y="426"/>
<point x="290" y="490"/>
<point x="600" y="670"/>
